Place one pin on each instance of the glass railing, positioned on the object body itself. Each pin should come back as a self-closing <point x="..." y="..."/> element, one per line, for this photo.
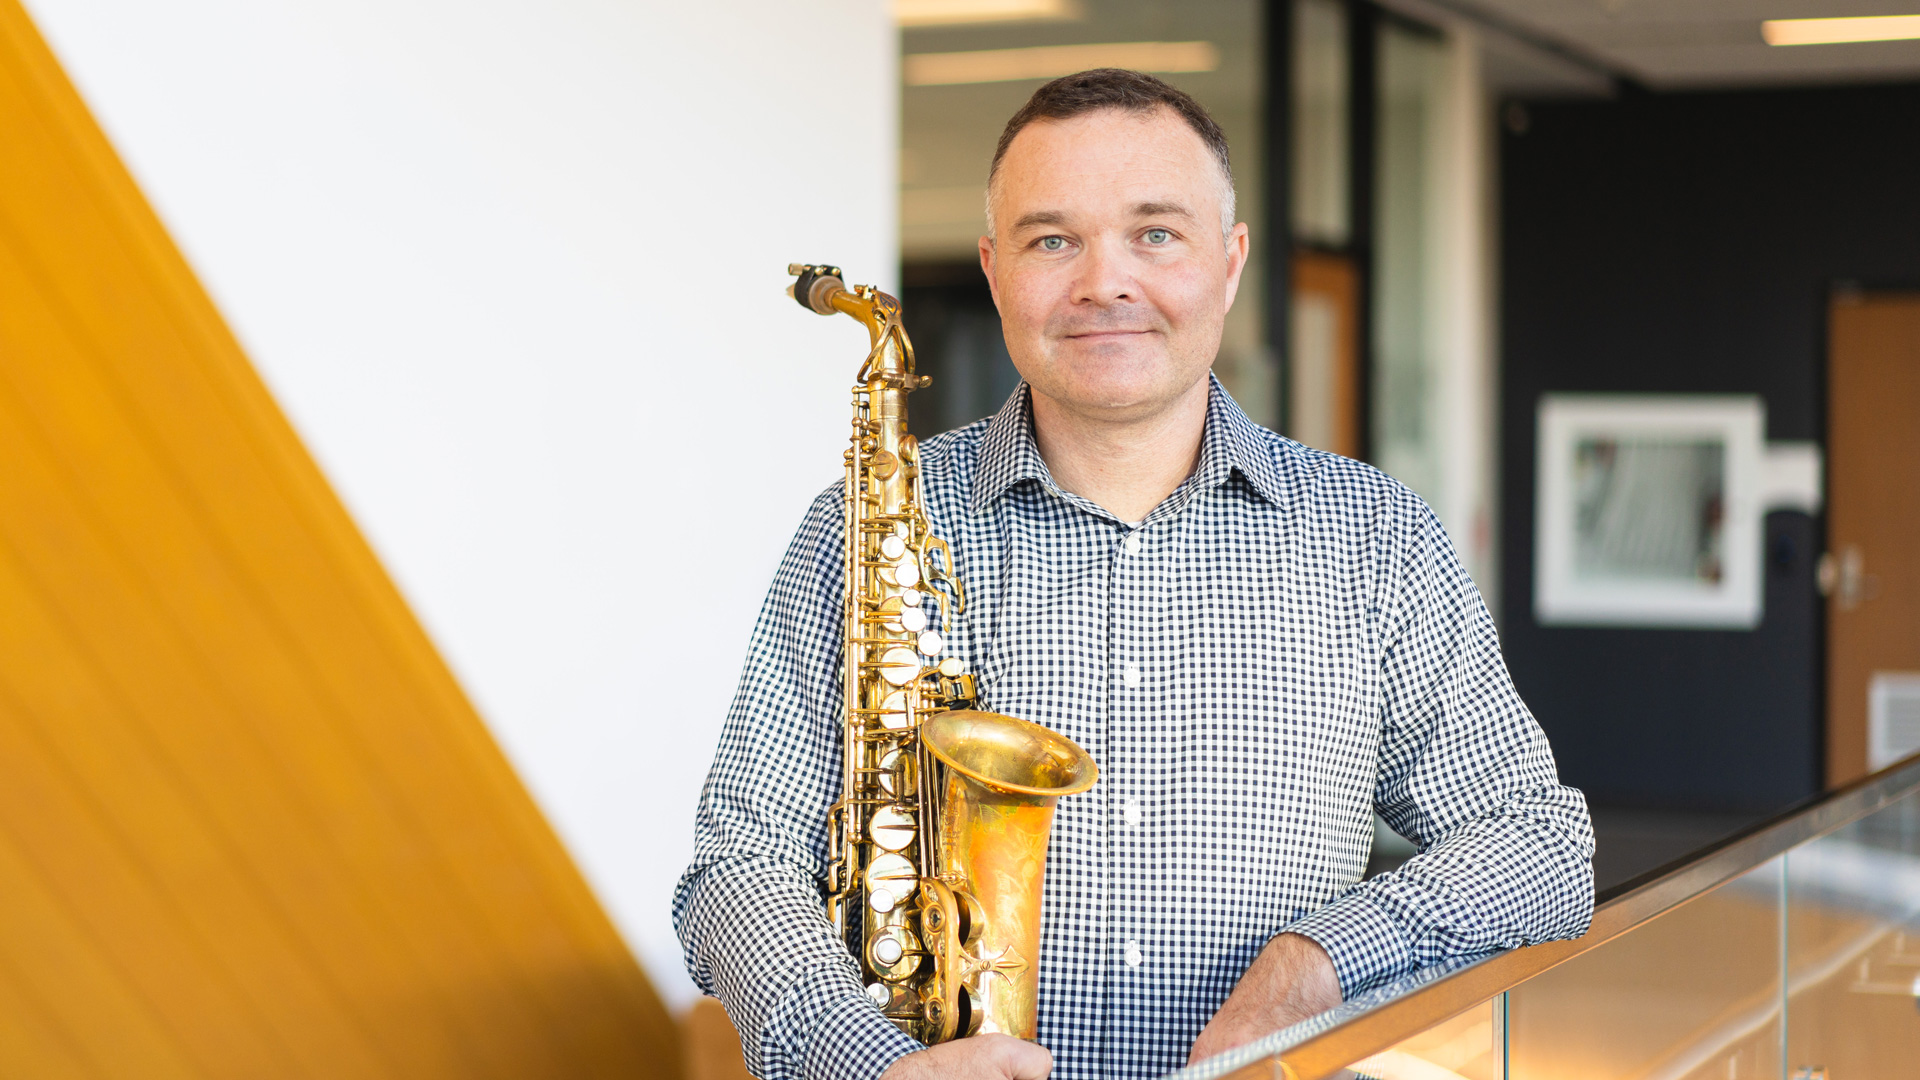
<point x="1790" y="951"/>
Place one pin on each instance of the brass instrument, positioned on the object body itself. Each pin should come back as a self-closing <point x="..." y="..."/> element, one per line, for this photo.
<point x="939" y="839"/>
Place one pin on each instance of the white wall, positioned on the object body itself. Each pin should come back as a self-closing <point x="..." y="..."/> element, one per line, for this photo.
<point x="1465" y="311"/>
<point x="514" y="270"/>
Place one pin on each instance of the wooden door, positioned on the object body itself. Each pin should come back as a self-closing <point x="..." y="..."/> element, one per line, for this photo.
<point x="1323" y="383"/>
<point x="1872" y="569"/>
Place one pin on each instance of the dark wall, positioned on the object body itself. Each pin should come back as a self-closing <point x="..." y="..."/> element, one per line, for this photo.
<point x="1688" y="243"/>
<point x="957" y="341"/>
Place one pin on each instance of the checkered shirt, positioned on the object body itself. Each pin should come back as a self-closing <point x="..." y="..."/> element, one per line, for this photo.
<point x="1284" y="646"/>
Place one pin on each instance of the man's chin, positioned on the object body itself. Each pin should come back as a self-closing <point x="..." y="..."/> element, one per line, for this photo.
<point x="1115" y="399"/>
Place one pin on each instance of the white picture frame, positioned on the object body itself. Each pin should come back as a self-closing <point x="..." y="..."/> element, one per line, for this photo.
<point x="1648" y="510"/>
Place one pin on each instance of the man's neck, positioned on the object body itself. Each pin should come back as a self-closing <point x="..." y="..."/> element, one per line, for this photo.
<point x="1129" y="466"/>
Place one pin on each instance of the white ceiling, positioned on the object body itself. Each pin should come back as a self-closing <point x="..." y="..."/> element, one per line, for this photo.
<point x="1668" y="44"/>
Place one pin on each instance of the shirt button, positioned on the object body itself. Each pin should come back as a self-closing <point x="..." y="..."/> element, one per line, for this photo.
<point x="1130" y="811"/>
<point x="1131" y="676"/>
<point x="1131" y="954"/>
<point x="1133" y="543"/>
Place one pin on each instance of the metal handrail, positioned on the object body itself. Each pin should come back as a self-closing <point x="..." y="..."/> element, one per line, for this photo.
<point x="1309" y="1050"/>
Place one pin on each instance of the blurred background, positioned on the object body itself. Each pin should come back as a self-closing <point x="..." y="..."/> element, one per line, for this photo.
<point x="402" y="421"/>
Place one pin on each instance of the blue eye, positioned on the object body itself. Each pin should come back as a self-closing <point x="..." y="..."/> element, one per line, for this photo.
<point x="1158" y="236"/>
<point x="1052" y="243"/>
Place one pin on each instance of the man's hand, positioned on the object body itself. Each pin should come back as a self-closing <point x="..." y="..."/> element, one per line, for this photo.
<point x="1289" y="981"/>
<point x="982" y="1057"/>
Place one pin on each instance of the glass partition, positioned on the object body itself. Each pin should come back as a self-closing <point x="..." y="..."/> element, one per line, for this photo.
<point x="1408" y="259"/>
<point x="1321" y="156"/>
<point x="1471" y="1046"/>
<point x="1693" y="994"/>
<point x="1853" y="948"/>
<point x="1790" y="953"/>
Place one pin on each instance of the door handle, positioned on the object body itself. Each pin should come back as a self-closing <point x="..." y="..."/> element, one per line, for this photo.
<point x="1843" y="576"/>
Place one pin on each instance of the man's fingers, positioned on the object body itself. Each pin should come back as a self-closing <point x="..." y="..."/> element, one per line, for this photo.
<point x="979" y="1057"/>
<point x="1023" y="1060"/>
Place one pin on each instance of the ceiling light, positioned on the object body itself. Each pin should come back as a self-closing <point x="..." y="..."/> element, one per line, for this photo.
<point x="923" y="13"/>
<point x="1053" y="61"/>
<point x="1836" y="31"/>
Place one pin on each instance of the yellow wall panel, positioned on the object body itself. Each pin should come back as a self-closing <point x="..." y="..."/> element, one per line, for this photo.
<point x="28" y="1044"/>
<point x="249" y="794"/>
<point x="76" y="989"/>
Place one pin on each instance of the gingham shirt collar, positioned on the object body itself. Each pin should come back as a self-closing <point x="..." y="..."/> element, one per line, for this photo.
<point x="1230" y="443"/>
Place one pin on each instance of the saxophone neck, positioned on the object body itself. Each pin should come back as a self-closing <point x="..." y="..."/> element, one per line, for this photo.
<point x="889" y="366"/>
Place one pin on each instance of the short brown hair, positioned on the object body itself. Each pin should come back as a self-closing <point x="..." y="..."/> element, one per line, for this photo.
<point x="1129" y="91"/>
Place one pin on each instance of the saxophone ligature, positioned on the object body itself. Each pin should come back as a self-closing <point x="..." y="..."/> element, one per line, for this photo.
<point x="938" y="842"/>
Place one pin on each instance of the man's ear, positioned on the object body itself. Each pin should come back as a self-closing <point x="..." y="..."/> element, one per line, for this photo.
<point x="986" y="267"/>
<point x="1237" y="244"/>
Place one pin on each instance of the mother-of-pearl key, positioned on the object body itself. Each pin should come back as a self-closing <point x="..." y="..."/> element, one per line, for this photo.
<point x="899" y="666"/>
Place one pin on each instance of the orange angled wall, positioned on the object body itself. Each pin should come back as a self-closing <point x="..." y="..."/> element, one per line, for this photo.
<point x="249" y="824"/>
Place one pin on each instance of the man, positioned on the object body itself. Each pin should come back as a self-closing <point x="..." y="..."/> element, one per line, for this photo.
<point x="1261" y="645"/>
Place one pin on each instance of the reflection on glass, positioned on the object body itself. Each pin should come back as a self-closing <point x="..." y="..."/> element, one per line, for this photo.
<point x="1649" y="509"/>
<point x="1471" y="1046"/>
<point x="1692" y="995"/>
<point x="1320" y="122"/>
<point x="1853" y="948"/>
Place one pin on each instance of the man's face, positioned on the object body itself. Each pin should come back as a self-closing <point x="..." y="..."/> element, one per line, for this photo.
<point x="1109" y="269"/>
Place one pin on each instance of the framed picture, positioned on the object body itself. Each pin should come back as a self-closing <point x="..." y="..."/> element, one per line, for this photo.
<point x="1648" y="510"/>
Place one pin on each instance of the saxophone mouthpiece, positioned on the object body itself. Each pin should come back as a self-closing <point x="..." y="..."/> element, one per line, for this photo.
<point x="816" y="285"/>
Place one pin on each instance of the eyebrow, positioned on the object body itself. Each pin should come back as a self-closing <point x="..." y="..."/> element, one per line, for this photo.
<point x="1039" y="218"/>
<point x="1151" y="209"/>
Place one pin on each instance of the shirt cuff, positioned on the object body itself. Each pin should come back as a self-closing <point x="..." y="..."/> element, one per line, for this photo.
<point x="1365" y="944"/>
<point x="853" y="1041"/>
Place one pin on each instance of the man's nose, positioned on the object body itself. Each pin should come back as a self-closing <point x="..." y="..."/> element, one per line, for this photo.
<point x="1106" y="275"/>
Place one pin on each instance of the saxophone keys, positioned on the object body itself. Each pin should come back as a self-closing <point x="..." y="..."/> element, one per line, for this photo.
<point x="889" y="610"/>
<point x="893" y="952"/>
<point x="893" y="547"/>
<point x="931" y="643"/>
<point x="953" y="667"/>
<point x="906" y="573"/>
<point x="892" y="828"/>
<point x="899" y="666"/>
<point x="893" y="711"/>
<point x="910" y="597"/>
<point x="913" y="620"/>
<point x="891" y="874"/>
<point x="896" y="773"/>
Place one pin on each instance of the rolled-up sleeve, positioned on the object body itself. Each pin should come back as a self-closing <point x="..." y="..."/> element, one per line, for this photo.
<point x="1505" y="850"/>
<point x="750" y="908"/>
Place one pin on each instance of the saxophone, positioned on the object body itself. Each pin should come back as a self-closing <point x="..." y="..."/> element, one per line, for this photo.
<point x="938" y="842"/>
